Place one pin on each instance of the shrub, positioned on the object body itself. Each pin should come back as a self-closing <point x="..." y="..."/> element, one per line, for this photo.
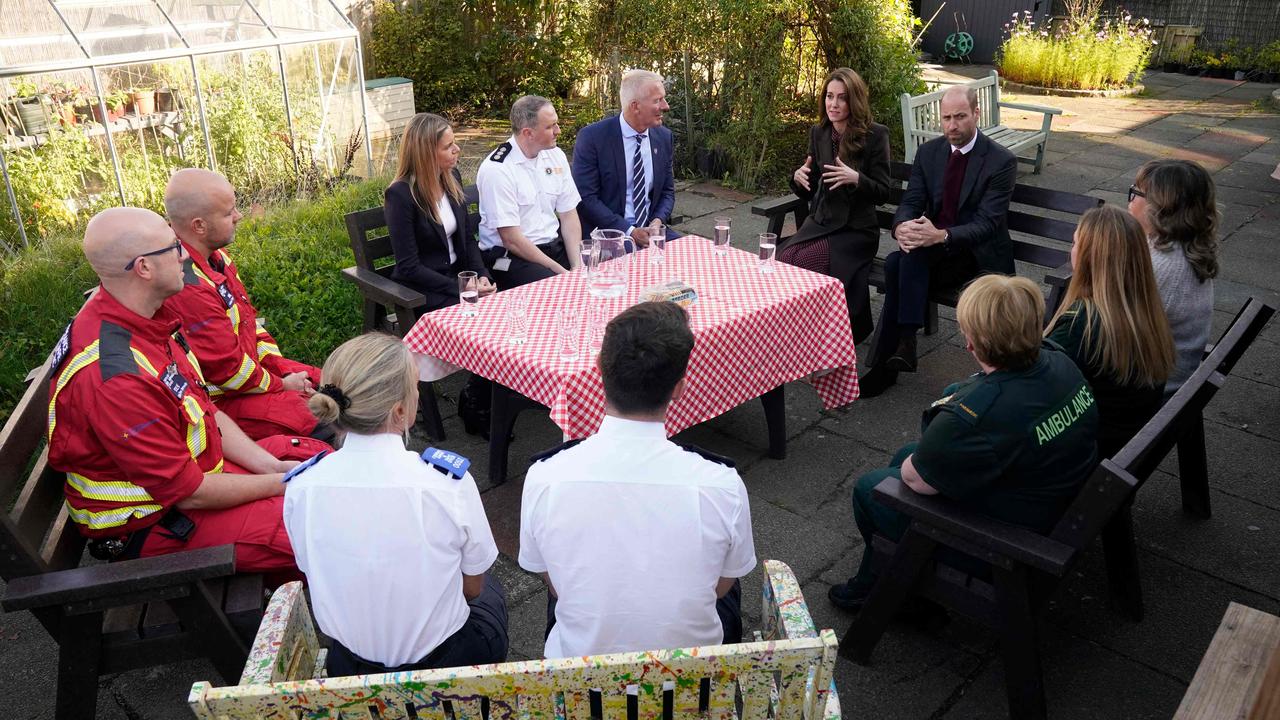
<point x="1082" y="52"/>
<point x="289" y="257"/>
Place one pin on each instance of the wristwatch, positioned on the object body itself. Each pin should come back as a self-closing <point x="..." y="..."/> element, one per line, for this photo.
<point x="946" y="239"/>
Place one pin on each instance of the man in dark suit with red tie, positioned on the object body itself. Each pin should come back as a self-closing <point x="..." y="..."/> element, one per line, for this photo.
<point x="951" y="226"/>
<point x="622" y="164"/>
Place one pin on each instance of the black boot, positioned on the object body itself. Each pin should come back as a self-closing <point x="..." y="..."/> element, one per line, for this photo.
<point x="903" y="358"/>
<point x="473" y="406"/>
<point x="876" y="381"/>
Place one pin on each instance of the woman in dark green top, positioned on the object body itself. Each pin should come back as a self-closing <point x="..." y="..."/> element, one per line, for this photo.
<point x="1112" y="323"/>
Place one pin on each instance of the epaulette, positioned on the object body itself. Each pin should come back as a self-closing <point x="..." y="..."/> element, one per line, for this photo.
<point x="447" y="462"/>
<point x="501" y="152"/>
<point x="62" y="347"/>
<point x="189" y="276"/>
<point x="303" y="466"/>
<point x="974" y="404"/>
<point x="718" y="459"/>
<point x="539" y="457"/>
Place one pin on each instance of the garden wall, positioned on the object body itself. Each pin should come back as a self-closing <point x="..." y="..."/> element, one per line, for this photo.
<point x="1252" y="22"/>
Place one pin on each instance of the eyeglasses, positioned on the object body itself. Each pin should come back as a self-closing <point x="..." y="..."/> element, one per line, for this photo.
<point x="1135" y="192"/>
<point x="177" y="245"/>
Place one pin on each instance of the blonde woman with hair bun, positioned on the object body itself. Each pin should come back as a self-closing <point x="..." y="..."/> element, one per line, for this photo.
<point x="395" y="545"/>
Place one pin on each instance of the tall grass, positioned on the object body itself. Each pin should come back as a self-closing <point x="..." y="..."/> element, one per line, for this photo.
<point x="289" y="256"/>
<point x="1081" y="53"/>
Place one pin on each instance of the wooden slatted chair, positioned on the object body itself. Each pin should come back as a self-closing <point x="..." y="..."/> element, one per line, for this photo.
<point x="785" y="674"/>
<point x="1026" y="567"/>
<point x="107" y="618"/>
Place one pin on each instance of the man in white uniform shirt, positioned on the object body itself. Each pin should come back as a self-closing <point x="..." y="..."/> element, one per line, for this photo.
<point x="529" y="227"/>
<point x="641" y="541"/>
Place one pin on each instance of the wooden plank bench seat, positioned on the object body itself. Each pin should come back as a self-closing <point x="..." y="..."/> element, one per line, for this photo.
<point x="107" y="617"/>
<point x="922" y="120"/>
<point x="785" y="673"/>
<point x="1041" y="223"/>
<point x="1022" y="569"/>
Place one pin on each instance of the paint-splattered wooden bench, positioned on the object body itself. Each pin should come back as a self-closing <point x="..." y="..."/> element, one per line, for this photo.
<point x="786" y="673"/>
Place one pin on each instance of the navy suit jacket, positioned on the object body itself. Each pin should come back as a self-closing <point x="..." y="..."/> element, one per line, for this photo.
<point x="982" y="225"/>
<point x="600" y="172"/>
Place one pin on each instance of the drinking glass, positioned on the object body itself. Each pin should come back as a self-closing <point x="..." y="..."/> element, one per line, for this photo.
<point x="597" y="318"/>
<point x="657" y="243"/>
<point x="468" y="292"/>
<point x="567" y="331"/>
<point x="517" y="310"/>
<point x="723" y="234"/>
<point x="768" y="249"/>
<point x="586" y="250"/>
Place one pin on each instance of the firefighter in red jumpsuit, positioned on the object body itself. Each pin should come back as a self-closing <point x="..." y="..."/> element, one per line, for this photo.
<point x="152" y="466"/>
<point x="264" y="392"/>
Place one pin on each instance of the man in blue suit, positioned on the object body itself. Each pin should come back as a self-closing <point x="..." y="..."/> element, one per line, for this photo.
<point x="622" y="164"/>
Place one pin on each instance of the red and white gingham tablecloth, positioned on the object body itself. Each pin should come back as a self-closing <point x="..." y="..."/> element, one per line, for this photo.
<point x="754" y="332"/>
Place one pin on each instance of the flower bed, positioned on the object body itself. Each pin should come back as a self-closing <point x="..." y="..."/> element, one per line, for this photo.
<point x="1078" y="53"/>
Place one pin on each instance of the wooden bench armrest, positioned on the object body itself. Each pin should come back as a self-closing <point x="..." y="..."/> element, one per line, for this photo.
<point x="1059" y="277"/>
<point x="786" y="616"/>
<point x="998" y="538"/>
<point x="378" y="288"/>
<point x="128" y="579"/>
<point x="285" y="647"/>
<point x="1030" y="107"/>
<point x="777" y="206"/>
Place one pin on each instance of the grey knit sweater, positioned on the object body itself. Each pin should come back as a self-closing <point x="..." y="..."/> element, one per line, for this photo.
<point x="1189" y="305"/>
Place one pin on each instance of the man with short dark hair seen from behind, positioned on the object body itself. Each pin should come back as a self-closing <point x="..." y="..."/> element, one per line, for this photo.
<point x="641" y="541"/>
<point x="1016" y="441"/>
<point x="950" y="226"/>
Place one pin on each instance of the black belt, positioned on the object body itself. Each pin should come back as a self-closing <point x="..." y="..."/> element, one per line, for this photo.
<point x="497" y="251"/>
<point x="129" y="547"/>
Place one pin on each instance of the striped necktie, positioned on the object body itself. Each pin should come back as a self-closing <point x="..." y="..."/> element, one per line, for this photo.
<point x="639" y="193"/>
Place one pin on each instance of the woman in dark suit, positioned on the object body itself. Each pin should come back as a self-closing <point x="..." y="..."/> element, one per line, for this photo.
<point x="432" y="237"/>
<point x="844" y="177"/>
<point x="427" y="218"/>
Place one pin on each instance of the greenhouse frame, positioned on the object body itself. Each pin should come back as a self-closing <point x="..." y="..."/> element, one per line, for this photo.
<point x="113" y="95"/>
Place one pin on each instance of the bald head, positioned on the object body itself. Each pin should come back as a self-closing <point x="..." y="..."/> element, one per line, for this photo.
<point x="966" y="94"/>
<point x="115" y="237"/>
<point x="959" y="114"/>
<point x="201" y="206"/>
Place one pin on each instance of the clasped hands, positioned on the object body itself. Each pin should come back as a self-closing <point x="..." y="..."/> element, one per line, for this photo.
<point x="640" y="235"/>
<point x="833" y="175"/>
<point x="918" y="233"/>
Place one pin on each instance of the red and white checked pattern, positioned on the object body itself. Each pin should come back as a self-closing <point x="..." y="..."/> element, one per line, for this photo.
<point x="753" y="331"/>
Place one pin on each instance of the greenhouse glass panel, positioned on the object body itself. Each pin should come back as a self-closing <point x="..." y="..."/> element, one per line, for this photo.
<point x="32" y="34"/>
<point x="300" y="16"/>
<point x="209" y="22"/>
<point x="115" y="28"/>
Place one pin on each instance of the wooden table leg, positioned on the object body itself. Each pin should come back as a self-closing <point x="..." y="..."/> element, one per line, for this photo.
<point x="506" y="405"/>
<point x="775" y="415"/>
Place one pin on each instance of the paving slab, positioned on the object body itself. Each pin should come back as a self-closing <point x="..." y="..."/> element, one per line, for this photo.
<point x="695" y="205"/>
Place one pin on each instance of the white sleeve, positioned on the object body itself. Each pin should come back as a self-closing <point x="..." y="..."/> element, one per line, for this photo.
<point x="569" y="197"/>
<point x="741" y="558"/>
<point x="530" y="555"/>
<point x="499" y="207"/>
<point x="478" y="549"/>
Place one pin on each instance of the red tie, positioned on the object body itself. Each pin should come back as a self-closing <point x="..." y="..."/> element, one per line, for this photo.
<point x="952" y="181"/>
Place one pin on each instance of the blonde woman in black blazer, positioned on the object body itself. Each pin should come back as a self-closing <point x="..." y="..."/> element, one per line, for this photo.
<point x="844" y="177"/>
<point x="427" y="218"/>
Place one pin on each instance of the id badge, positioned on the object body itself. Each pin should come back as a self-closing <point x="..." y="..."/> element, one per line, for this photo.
<point x="502" y="264"/>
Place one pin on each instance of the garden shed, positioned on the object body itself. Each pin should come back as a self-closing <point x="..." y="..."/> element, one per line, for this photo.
<point x="100" y="100"/>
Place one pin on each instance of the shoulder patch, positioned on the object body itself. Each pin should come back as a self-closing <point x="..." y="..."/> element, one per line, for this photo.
<point x="718" y="459"/>
<point x="971" y="406"/>
<point x="449" y="463"/>
<point x="114" y="355"/>
<point x="63" y="345"/>
<point x="304" y="466"/>
<point x="501" y="152"/>
<point x="189" y="276"/>
<point x="539" y="457"/>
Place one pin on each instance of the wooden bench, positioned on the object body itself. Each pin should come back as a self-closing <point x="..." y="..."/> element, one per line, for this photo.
<point x="389" y="306"/>
<point x="1239" y="676"/>
<point x="1017" y="570"/>
<point x="107" y="618"/>
<point x="786" y="673"/>
<point x="1039" y="238"/>
<point x="922" y="120"/>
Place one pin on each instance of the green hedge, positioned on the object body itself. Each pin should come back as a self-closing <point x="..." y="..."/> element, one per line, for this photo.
<point x="289" y="257"/>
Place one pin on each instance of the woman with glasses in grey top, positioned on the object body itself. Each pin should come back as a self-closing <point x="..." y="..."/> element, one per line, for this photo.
<point x="1174" y="202"/>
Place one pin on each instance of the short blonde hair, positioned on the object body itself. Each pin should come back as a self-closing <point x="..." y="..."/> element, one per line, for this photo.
<point x="633" y="82"/>
<point x="364" y="378"/>
<point x="1002" y="316"/>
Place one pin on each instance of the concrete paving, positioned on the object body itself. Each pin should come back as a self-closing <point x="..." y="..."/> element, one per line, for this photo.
<point x="1096" y="664"/>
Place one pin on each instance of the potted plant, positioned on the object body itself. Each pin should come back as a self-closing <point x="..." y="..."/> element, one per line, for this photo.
<point x="166" y="99"/>
<point x="32" y="107"/>
<point x="144" y="101"/>
<point x="117" y="104"/>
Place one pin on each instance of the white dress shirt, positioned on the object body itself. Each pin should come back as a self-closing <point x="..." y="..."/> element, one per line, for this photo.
<point x="634" y="532"/>
<point x="384" y="539"/>
<point x="629" y="156"/>
<point x="524" y="192"/>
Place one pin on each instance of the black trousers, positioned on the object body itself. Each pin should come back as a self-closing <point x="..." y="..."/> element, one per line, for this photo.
<point x="729" y="608"/>
<point x="908" y="280"/>
<point x="482" y="640"/>
<point x="523" y="272"/>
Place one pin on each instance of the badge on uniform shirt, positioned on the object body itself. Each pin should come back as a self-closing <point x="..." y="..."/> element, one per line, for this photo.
<point x="60" y="350"/>
<point x="174" y="380"/>
<point x="449" y="463"/>
<point x="302" y="467"/>
<point x="227" y="298"/>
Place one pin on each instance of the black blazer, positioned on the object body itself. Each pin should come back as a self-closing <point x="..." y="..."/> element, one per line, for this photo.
<point x="421" y="248"/>
<point x="982" y="225"/>
<point x="848" y="206"/>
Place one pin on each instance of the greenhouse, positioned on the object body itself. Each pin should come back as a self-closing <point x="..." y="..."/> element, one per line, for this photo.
<point x="100" y="100"/>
